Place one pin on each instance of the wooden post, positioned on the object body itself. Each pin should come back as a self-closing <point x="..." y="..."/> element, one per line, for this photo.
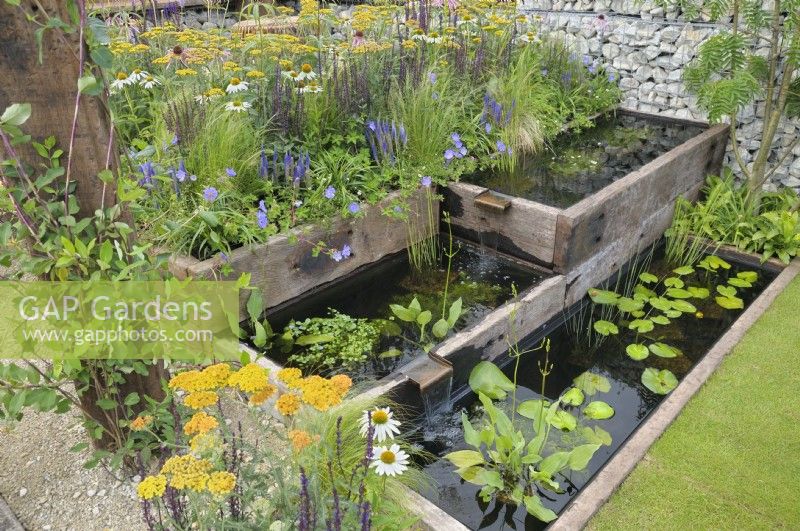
<point x="51" y="87"/>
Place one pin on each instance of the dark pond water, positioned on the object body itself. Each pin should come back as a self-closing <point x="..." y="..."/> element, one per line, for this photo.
<point x="571" y="356"/>
<point x="577" y="165"/>
<point x="481" y="277"/>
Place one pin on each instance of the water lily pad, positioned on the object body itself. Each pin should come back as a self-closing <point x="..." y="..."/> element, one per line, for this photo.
<point x="573" y="397"/>
<point x="644" y="291"/>
<point x="605" y="328"/>
<point x="648" y="278"/>
<point x="713" y="263"/>
<point x="683" y="270"/>
<point x="726" y="291"/>
<point x="683" y="306"/>
<point x="660" y="303"/>
<point x="660" y="320"/>
<point x="750" y="276"/>
<point x="488" y="379"/>
<point x="698" y="292"/>
<point x="663" y="350"/>
<point x="637" y="351"/>
<point x="659" y="382"/>
<point x="600" y="296"/>
<point x="679" y="293"/>
<point x="626" y="304"/>
<point x="598" y="410"/>
<point x="740" y="283"/>
<point x="642" y="326"/>
<point x="596" y="435"/>
<point x="673" y="282"/>
<point x="592" y="383"/>
<point x="672" y="314"/>
<point x="533" y="409"/>
<point x="730" y="303"/>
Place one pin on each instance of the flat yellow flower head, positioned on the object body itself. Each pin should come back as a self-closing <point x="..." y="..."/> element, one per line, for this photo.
<point x="152" y="487"/>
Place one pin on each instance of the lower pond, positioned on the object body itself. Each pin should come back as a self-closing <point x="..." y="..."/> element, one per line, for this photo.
<point x="578" y="164"/>
<point x="604" y="371"/>
<point x="352" y="326"/>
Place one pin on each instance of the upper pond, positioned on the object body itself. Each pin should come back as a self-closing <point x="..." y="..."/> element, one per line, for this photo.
<point x="578" y="164"/>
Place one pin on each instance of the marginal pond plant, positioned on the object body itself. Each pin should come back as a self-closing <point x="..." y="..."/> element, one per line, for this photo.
<point x="639" y="317"/>
<point x="520" y="449"/>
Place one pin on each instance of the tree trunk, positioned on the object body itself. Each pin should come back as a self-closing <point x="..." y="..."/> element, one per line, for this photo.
<point x="51" y="87"/>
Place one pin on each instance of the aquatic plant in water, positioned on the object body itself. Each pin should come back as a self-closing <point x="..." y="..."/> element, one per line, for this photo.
<point x="655" y="301"/>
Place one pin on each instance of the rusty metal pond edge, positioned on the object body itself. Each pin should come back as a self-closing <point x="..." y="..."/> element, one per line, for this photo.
<point x="608" y="479"/>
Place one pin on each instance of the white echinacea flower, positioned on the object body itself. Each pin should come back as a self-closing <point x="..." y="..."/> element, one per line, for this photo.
<point x="384" y="426"/>
<point x="237" y="106"/>
<point x="121" y="80"/>
<point x="137" y="74"/>
<point x="236" y="85"/>
<point x="390" y="461"/>
<point x="149" y="82"/>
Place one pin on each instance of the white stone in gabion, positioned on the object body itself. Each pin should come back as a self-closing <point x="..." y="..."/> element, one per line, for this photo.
<point x="610" y="51"/>
<point x="643" y="73"/>
<point x="651" y="52"/>
<point x="669" y="34"/>
<point x="682" y="55"/>
<point x="628" y="83"/>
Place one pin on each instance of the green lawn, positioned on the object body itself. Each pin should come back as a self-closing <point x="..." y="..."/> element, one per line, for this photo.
<point x="731" y="460"/>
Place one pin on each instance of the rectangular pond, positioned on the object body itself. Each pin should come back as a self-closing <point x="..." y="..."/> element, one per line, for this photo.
<point x="594" y="199"/>
<point x="353" y="315"/>
<point x="602" y="368"/>
<point x="578" y="164"/>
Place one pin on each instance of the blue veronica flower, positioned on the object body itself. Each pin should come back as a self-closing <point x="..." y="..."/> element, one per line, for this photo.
<point x="432" y="77"/>
<point x="230" y="172"/>
<point x="488" y="127"/>
<point x="337" y="255"/>
<point x="501" y="146"/>
<point x="449" y="154"/>
<point x="353" y="207"/>
<point x="426" y="181"/>
<point x="262" y="219"/>
<point x="346" y="251"/>
<point x="330" y="192"/>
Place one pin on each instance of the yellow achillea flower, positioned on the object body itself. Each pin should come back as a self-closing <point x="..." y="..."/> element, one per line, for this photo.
<point x="140" y="423"/>
<point x="342" y="383"/>
<point x="300" y="439"/>
<point x="187" y="472"/>
<point x="219" y="372"/>
<point x="250" y="378"/>
<point x="320" y="393"/>
<point x="221" y="483"/>
<point x="263" y="395"/>
<point x="201" y="399"/>
<point x="230" y="65"/>
<point x="152" y="487"/>
<point x="290" y="376"/>
<point x="204" y="443"/>
<point x="288" y="404"/>
<point x="200" y="422"/>
<point x="186" y="72"/>
<point x="255" y="74"/>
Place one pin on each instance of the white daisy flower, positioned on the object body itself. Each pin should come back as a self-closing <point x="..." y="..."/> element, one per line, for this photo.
<point x="137" y="74"/>
<point x="121" y="80"/>
<point x="528" y="37"/>
<point x="149" y="82"/>
<point x="312" y="87"/>
<point x="390" y="461"/>
<point x="237" y="106"/>
<point x="384" y="426"/>
<point x="236" y="85"/>
<point x="306" y="72"/>
<point x="433" y="38"/>
<point x="291" y="74"/>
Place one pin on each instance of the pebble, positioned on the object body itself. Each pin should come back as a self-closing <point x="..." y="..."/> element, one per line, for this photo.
<point x="91" y="492"/>
<point x="76" y="495"/>
<point x="22" y="492"/>
<point x="101" y="493"/>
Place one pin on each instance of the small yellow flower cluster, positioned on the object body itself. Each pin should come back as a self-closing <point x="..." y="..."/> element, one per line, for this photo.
<point x="290" y="376"/>
<point x="371" y="47"/>
<point x="319" y="393"/>
<point x="200" y="422"/>
<point x="288" y="404"/>
<point x="255" y="74"/>
<point x="140" y="423"/>
<point x="127" y="48"/>
<point x="152" y="487"/>
<point x="262" y="396"/>
<point x="186" y="72"/>
<point x="251" y="378"/>
<point x="204" y="443"/>
<point x="231" y="65"/>
<point x="220" y="483"/>
<point x="200" y="399"/>
<point x="210" y="378"/>
<point x="187" y="472"/>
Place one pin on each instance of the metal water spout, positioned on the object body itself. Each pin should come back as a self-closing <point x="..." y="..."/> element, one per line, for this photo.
<point x="433" y="375"/>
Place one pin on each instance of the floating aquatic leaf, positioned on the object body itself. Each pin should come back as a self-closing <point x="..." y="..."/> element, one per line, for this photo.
<point x="580" y="456"/>
<point x="740" y="283"/>
<point x="600" y="296"/>
<point x="573" y="397"/>
<point x="730" y="303"/>
<point x="488" y="379"/>
<point x="659" y="382"/>
<point x="750" y="276"/>
<point x="596" y="435"/>
<point x="637" y="351"/>
<point x="683" y="306"/>
<point x="313" y="339"/>
<point x="679" y="293"/>
<point x="665" y="351"/>
<point x="643" y="291"/>
<point x="648" y="278"/>
<point x="642" y="326"/>
<point x="605" y="328"/>
<point x="391" y="353"/>
<point x="713" y="263"/>
<point x="726" y="291"/>
<point x="698" y="292"/>
<point x="626" y="304"/>
<point x="533" y="409"/>
<point x="673" y="282"/>
<point x="592" y="383"/>
<point x="672" y="314"/>
<point x="563" y="420"/>
<point x="598" y="410"/>
<point x="683" y="270"/>
<point x="660" y="320"/>
<point x="660" y="303"/>
<point x="465" y="458"/>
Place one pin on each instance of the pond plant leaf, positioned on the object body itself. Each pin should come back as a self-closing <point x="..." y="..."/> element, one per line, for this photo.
<point x="600" y="296"/>
<point x="749" y="276"/>
<point x="698" y="292"/>
<point x="663" y="350"/>
<point x="673" y="282"/>
<point x="660" y="303"/>
<point x="563" y="420"/>
<point x="591" y="383"/>
<point x="642" y="326"/>
<point x="463" y="459"/>
<point x="730" y="303"/>
<point x="626" y="304"/>
<point x="533" y="504"/>
<point x="596" y="435"/>
<point x="580" y="456"/>
<point x="573" y="397"/>
<point x="683" y="270"/>
<point x="605" y="328"/>
<point x="660" y="382"/>
<point x="660" y="320"/>
<point x="637" y="351"/>
<point x="598" y="410"/>
<point x="648" y="278"/>
<point x="679" y="293"/>
<point x="488" y="379"/>
<point x="740" y="283"/>
<point x="683" y="306"/>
